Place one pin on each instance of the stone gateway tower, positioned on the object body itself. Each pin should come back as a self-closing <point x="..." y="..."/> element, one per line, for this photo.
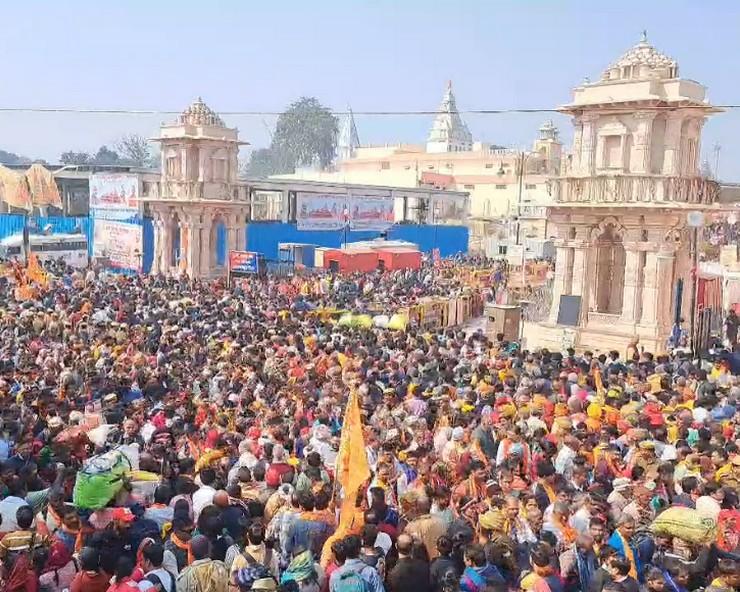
<point x="620" y="207"/>
<point x="198" y="193"/>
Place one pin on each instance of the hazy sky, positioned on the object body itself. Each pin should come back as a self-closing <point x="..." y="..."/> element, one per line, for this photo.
<point x="373" y="55"/>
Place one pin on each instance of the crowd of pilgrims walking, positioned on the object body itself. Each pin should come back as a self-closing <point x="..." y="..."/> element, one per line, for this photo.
<point x="493" y="468"/>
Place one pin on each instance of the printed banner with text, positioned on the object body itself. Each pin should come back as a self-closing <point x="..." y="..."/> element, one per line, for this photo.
<point x="320" y="212"/>
<point x="114" y="196"/>
<point x="119" y="242"/>
<point x="371" y="213"/>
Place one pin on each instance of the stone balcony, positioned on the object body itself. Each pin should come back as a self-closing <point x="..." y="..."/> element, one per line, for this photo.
<point x="527" y="212"/>
<point x="625" y="188"/>
<point x="198" y="190"/>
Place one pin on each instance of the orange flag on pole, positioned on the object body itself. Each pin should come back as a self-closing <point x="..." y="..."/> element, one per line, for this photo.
<point x="34" y="271"/>
<point x="598" y="381"/>
<point x="352" y="472"/>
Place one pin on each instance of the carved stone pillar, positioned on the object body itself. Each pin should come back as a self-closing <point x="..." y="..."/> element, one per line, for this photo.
<point x="672" y="144"/>
<point x="577" y="140"/>
<point x="650" y="289"/>
<point x="194" y="246"/>
<point x="588" y="144"/>
<point x="562" y="278"/>
<point x="168" y="243"/>
<point x="205" y="244"/>
<point x="642" y="138"/>
<point x="665" y="273"/>
<point x="181" y="264"/>
<point x="240" y="227"/>
<point x="157" y="245"/>
<point x="632" y="291"/>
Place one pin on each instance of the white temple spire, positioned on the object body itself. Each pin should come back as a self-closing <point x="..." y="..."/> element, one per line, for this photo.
<point x="449" y="132"/>
<point x="348" y="141"/>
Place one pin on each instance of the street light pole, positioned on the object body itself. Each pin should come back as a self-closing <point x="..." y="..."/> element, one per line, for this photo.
<point x="694" y="220"/>
<point x="521" y="160"/>
<point x="694" y="285"/>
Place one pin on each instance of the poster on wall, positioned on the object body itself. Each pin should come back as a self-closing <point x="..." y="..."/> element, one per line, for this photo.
<point x="114" y="196"/>
<point x="371" y="213"/>
<point x="320" y="212"/>
<point x="118" y="242"/>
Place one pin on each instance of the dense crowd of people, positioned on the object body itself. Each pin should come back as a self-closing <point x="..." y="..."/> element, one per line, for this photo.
<point x="493" y="468"/>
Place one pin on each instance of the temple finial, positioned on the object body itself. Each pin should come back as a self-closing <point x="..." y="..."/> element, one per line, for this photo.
<point x="643" y="37"/>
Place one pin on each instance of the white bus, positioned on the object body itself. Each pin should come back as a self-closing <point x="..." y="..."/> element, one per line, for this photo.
<point x="72" y="248"/>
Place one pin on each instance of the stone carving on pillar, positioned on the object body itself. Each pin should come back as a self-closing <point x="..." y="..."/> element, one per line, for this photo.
<point x="640" y="158"/>
<point x="633" y="275"/>
<point x="588" y="144"/>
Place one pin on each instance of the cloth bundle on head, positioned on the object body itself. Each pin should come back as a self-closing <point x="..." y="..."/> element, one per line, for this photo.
<point x="300" y="569"/>
<point x="492" y="520"/>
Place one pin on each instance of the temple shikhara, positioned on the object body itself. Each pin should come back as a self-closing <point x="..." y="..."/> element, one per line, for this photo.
<point x="622" y="204"/>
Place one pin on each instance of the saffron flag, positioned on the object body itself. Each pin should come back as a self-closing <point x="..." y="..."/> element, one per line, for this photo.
<point x="34" y="272"/>
<point x="352" y="472"/>
<point x="14" y="189"/>
<point x="43" y="187"/>
<point x="598" y="381"/>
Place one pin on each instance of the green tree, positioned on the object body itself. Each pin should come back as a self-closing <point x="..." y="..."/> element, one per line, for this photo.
<point x="72" y="157"/>
<point x="105" y="155"/>
<point x="13" y="158"/>
<point x="261" y="163"/>
<point x="305" y="133"/>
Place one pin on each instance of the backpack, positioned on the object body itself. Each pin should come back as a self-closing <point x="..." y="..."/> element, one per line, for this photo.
<point x="251" y="561"/>
<point x="352" y="581"/>
<point x="158" y="585"/>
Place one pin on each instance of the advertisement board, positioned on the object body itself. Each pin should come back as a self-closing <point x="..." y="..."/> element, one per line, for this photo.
<point x="116" y="194"/>
<point x="119" y="243"/>
<point x="320" y="212"/>
<point x="243" y="262"/>
<point x="371" y="213"/>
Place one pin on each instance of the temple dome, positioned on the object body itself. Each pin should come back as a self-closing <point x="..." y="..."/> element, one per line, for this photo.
<point x="642" y="61"/>
<point x="198" y="113"/>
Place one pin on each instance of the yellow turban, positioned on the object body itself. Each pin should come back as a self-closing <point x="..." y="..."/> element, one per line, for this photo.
<point x="508" y="410"/>
<point x="561" y="409"/>
<point x="594" y="411"/>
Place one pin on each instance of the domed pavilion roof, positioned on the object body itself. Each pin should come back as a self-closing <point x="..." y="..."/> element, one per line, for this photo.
<point x="198" y="113"/>
<point x="642" y="61"/>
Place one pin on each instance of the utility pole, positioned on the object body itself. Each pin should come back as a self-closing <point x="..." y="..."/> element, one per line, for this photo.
<point x="717" y="148"/>
<point x="695" y="220"/>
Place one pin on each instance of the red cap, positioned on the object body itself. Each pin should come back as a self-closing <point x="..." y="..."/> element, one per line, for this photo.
<point x="123" y="515"/>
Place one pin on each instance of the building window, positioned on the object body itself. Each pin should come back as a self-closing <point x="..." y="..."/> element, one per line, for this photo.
<point x="448" y="165"/>
<point x="500" y="186"/>
<point x="530" y="186"/>
<point x="173" y="166"/>
<point x="385" y="165"/>
<point x="407" y="167"/>
<point x="612" y="152"/>
<point x="469" y="186"/>
<point x="502" y="249"/>
<point x="489" y="165"/>
<point x="430" y="167"/>
<point x="145" y="187"/>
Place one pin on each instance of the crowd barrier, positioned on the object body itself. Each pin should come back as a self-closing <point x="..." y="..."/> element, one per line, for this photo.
<point x="435" y="313"/>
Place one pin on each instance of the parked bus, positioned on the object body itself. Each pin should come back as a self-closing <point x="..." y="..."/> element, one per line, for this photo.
<point x="72" y="248"/>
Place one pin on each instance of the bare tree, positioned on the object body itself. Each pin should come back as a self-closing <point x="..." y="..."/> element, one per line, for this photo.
<point x="134" y="149"/>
